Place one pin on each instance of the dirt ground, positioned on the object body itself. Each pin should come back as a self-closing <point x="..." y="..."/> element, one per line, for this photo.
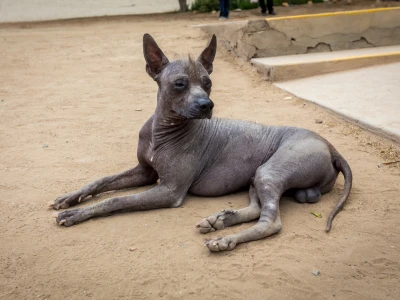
<point x="73" y="96"/>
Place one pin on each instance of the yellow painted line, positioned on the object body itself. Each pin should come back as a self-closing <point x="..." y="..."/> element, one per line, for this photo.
<point x="340" y="13"/>
<point x="350" y="58"/>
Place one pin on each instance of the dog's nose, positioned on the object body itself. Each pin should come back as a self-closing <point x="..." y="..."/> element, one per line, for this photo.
<point x="204" y="104"/>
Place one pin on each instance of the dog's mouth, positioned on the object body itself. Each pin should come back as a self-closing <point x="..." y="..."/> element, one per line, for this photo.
<point x="178" y="115"/>
<point x="192" y="114"/>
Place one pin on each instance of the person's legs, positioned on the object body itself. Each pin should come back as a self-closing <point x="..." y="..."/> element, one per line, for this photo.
<point x="270" y="4"/>
<point x="263" y="7"/>
<point x="221" y="8"/>
<point x="226" y="7"/>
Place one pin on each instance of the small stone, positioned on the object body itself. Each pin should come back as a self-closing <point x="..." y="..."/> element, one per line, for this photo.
<point x="316" y="272"/>
<point x="132" y="249"/>
<point x="285" y="4"/>
<point x="379" y="166"/>
<point x="138" y="109"/>
<point x="310" y="3"/>
<point x="45" y="146"/>
<point x="214" y="12"/>
<point x="237" y="10"/>
<point x="288" y="98"/>
<point x="318" y="121"/>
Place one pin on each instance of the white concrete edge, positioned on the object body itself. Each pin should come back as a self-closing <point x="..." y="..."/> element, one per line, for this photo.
<point x="391" y="135"/>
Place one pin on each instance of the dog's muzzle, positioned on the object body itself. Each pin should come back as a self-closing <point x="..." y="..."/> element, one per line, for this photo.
<point x="204" y="107"/>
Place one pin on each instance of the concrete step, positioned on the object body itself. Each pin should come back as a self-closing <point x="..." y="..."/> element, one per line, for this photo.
<point x="281" y="68"/>
<point x="305" y="34"/>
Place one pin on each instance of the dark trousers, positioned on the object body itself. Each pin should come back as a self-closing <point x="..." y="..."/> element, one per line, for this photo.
<point x="270" y="4"/>
<point x="224" y="8"/>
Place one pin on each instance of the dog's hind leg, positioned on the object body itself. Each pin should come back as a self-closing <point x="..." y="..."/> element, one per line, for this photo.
<point x="303" y="165"/>
<point x="229" y="217"/>
<point x="269" y="189"/>
<point x="138" y="176"/>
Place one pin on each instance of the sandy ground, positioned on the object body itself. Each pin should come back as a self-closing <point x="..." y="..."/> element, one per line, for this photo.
<point x="28" y="10"/>
<point x="80" y="88"/>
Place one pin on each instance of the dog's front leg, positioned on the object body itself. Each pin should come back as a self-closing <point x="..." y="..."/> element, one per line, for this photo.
<point x="138" y="176"/>
<point x="158" y="197"/>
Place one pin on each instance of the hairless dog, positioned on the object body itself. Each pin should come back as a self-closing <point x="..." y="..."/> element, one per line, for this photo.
<point x="190" y="152"/>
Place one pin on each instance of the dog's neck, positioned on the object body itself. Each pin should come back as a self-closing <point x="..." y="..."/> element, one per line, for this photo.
<point x="169" y="128"/>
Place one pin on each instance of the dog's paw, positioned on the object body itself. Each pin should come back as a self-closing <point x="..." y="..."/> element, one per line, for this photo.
<point x="72" y="217"/>
<point x="221" y="244"/>
<point x="215" y="222"/>
<point x="70" y="199"/>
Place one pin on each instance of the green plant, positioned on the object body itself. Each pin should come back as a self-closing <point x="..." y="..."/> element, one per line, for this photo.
<point x="211" y="5"/>
<point x="296" y="2"/>
<point x="205" y="5"/>
<point x="243" y="4"/>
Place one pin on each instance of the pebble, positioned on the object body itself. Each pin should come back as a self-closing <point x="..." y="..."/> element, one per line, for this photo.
<point x="45" y="146"/>
<point x="288" y="98"/>
<point x="285" y="4"/>
<point x="318" y="121"/>
<point x="316" y="272"/>
<point x="132" y="249"/>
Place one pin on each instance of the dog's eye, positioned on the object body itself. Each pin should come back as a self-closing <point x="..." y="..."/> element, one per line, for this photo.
<point x="207" y="82"/>
<point x="180" y="84"/>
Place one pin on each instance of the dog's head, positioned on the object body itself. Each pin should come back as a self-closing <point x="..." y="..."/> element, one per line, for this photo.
<point x="184" y="85"/>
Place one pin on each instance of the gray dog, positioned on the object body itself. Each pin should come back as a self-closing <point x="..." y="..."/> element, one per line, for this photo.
<point x="191" y="153"/>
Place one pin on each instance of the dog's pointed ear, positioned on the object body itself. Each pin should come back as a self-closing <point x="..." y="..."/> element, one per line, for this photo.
<point x="206" y="58"/>
<point x="155" y="58"/>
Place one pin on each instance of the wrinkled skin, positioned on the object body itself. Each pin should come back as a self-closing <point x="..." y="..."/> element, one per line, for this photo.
<point x="190" y="152"/>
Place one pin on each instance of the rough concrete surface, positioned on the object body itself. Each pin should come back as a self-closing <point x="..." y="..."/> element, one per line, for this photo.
<point x="299" y="35"/>
<point x="28" y="10"/>
<point x="297" y="66"/>
<point x="370" y="96"/>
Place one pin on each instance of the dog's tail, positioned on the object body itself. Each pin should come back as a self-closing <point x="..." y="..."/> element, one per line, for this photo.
<point x="340" y="164"/>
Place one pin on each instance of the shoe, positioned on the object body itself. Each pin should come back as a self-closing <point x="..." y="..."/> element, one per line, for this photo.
<point x="263" y="14"/>
<point x="272" y="13"/>
<point x="223" y="18"/>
